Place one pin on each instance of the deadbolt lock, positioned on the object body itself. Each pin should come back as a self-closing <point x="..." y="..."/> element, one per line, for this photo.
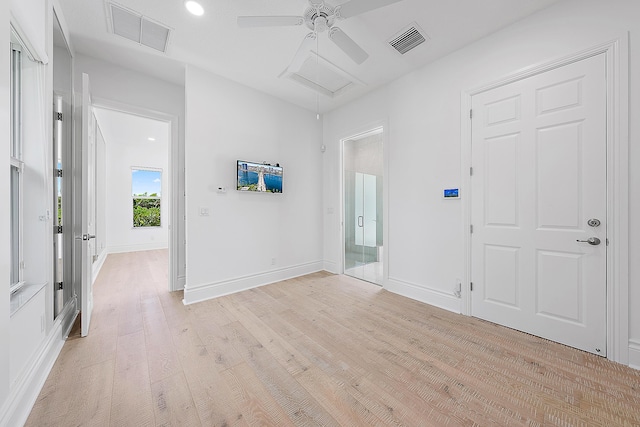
<point x="593" y="222"/>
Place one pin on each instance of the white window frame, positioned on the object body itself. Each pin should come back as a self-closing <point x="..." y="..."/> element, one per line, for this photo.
<point x="16" y="164"/>
<point x="142" y="168"/>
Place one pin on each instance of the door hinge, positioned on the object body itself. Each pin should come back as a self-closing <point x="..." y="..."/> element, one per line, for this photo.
<point x="471" y="285"/>
<point x="59" y="116"/>
<point x="607" y="240"/>
<point x="59" y="173"/>
<point x="471" y="114"/>
<point x="59" y="285"/>
<point x="57" y="229"/>
<point x="471" y="228"/>
<point x="471" y="171"/>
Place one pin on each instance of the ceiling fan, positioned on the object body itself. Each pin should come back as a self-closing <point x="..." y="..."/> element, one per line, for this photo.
<point x="320" y="17"/>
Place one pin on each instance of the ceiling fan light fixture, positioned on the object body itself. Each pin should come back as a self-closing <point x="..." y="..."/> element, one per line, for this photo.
<point x="321" y="24"/>
<point x="194" y="7"/>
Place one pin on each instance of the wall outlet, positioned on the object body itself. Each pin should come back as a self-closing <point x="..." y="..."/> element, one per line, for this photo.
<point x="273" y="261"/>
<point x="203" y="211"/>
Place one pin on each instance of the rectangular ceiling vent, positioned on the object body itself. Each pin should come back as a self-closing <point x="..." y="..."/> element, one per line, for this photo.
<point x="322" y="76"/>
<point x="137" y="27"/>
<point x="407" y="39"/>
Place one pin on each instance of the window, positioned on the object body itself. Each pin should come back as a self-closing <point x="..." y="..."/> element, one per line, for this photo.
<point x="17" y="167"/>
<point x="146" y="190"/>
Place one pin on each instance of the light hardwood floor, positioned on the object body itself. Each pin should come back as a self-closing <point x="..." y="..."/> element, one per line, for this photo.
<point x="318" y="350"/>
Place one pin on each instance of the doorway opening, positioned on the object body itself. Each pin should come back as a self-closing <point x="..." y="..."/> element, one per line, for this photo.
<point x="363" y="202"/>
<point x="137" y="189"/>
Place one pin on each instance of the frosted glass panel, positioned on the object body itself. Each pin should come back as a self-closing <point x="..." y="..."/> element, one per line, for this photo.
<point x="358" y="205"/>
<point x="369" y="221"/>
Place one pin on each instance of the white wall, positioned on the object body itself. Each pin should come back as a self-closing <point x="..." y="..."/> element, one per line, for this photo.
<point x="101" y="196"/>
<point x="121" y="157"/>
<point x="233" y="247"/>
<point x="422" y="110"/>
<point x="4" y="211"/>
<point x="117" y="85"/>
<point x="32" y="18"/>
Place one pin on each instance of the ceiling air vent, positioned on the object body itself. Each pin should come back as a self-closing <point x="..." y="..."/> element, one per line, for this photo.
<point x="137" y="27"/>
<point x="322" y="76"/>
<point x="407" y="39"/>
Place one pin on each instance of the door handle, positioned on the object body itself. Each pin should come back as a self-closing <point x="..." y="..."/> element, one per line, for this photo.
<point x="86" y="237"/>
<point x="360" y="221"/>
<point x="594" y="241"/>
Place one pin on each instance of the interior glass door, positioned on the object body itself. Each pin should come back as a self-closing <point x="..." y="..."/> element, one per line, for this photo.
<point x="62" y="130"/>
<point x="363" y="209"/>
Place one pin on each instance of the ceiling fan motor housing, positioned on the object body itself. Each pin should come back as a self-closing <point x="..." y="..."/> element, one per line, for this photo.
<point x="322" y="11"/>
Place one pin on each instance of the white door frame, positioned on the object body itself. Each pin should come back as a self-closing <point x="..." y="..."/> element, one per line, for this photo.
<point x="174" y="171"/>
<point x="617" y="59"/>
<point x="361" y="132"/>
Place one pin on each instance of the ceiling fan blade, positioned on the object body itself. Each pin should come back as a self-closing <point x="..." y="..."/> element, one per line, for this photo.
<point x="269" y="21"/>
<point x="356" y="7"/>
<point x="348" y="46"/>
<point x="303" y="53"/>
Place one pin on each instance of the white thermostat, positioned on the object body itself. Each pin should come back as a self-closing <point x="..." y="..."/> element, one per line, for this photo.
<point x="451" y="193"/>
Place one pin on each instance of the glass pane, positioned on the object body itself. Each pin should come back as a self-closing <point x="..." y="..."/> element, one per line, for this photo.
<point x="352" y="257"/>
<point x="15" y="225"/>
<point x="146" y="188"/>
<point x="370" y="210"/>
<point x="146" y="183"/>
<point x="16" y="101"/>
<point x="59" y="267"/>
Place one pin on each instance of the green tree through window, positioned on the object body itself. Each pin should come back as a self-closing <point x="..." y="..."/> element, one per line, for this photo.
<point x="146" y="189"/>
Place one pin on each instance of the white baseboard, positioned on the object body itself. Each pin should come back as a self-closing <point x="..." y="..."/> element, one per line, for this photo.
<point x="331" y="267"/>
<point x="634" y="354"/>
<point x="26" y="389"/>
<point x="424" y="294"/>
<point x="95" y="270"/>
<point x="180" y="284"/>
<point x="204" y="292"/>
<point x="137" y="247"/>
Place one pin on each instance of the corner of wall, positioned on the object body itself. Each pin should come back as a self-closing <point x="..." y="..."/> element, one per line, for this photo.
<point x="194" y="294"/>
<point x="634" y="354"/>
<point x="424" y="294"/>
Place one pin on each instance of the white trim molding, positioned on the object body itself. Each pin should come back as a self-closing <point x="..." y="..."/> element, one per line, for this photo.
<point x="331" y="267"/>
<point x="194" y="294"/>
<point x="176" y="174"/>
<point x="27" y="387"/>
<point x="97" y="265"/>
<point x="423" y="294"/>
<point x="617" y="62"/>
<point x="634" y="354"/>
<point x="137" y="247"/>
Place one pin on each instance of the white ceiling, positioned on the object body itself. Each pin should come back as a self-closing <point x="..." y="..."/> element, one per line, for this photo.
<point x="257" y="56"/>
<point x="127" y="129"/>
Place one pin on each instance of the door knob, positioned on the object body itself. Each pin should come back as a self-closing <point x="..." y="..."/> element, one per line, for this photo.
<point x="591" y="240"/>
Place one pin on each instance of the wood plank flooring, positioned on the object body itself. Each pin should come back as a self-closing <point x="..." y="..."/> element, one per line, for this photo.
<point x="318" y="350"/>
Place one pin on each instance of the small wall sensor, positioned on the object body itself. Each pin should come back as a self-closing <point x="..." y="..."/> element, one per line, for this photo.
<point x="221" y="189"/>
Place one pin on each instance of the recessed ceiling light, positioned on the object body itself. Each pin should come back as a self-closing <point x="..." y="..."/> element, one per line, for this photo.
<point x="194" y="7"/>
<point x="151" y="139"/>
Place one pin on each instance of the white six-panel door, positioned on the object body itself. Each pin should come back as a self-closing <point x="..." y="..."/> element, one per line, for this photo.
<point x="539" y="176"/>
